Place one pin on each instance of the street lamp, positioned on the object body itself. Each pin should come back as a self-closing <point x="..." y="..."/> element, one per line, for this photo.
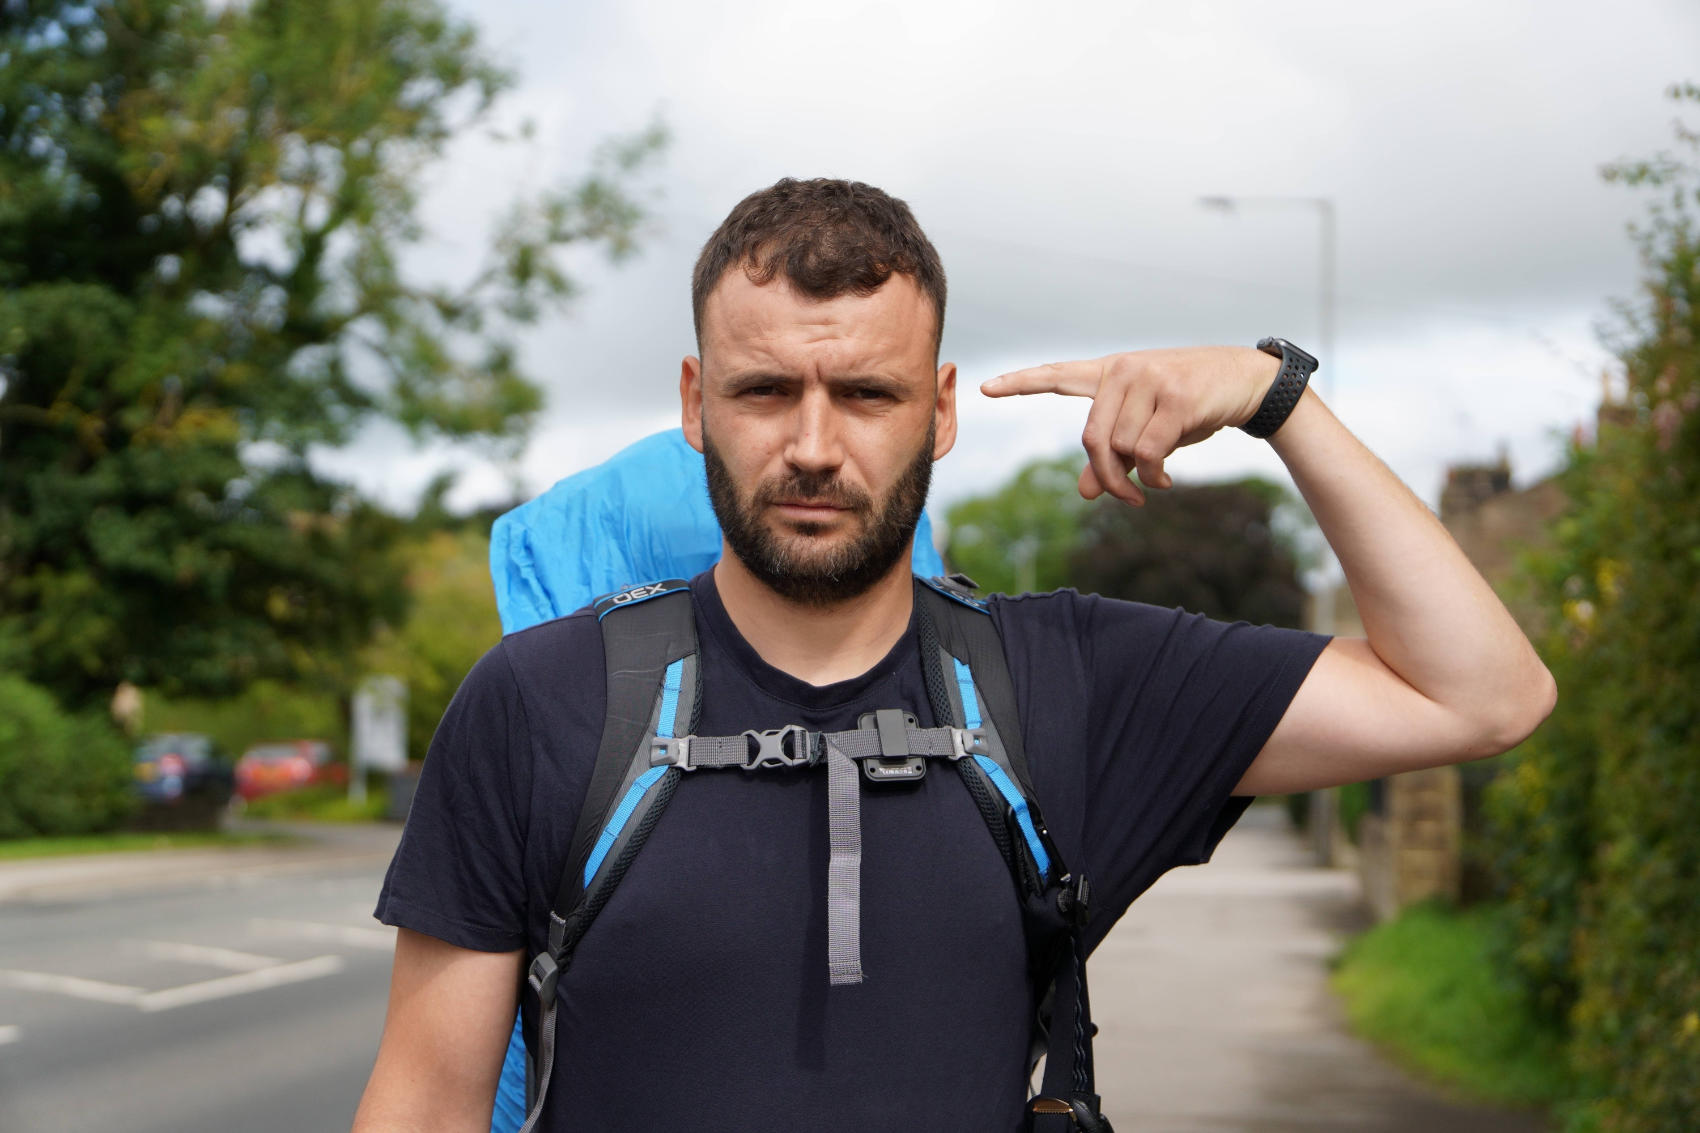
<point x="1323" y="804"/>
<point x="1324" y="207"/>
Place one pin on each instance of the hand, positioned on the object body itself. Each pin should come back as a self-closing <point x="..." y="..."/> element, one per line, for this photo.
<point x="1148" y="403"/>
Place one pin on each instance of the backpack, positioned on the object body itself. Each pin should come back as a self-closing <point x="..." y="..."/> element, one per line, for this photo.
<point x="649" y="747"/>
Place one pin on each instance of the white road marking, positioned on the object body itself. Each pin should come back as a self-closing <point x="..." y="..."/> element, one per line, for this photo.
<point x="74" y="986"/>
<point x="240" y="984"/>
<point x="10" y="1034"/>
<point x="226" y="958"/>
<point x="376" y="939"/>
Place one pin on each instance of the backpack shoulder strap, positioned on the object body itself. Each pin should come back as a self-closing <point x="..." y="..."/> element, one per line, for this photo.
<point x="968" y="682"/>
<point x="649" y="646"/>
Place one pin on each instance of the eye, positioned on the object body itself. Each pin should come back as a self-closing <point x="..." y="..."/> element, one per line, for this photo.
<point x="870" y="393"/>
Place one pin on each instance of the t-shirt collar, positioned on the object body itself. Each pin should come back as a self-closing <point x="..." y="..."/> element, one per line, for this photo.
<point x="715" y="623"/>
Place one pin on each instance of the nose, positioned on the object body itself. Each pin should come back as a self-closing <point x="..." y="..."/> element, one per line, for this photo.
<point x="815" y="444"/>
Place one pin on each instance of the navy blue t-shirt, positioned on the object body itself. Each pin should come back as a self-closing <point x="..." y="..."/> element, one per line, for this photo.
<point x="699" y="998"/>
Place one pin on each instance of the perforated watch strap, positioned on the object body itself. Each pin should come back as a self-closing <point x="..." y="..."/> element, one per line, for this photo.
<point x="1283" y="396"/>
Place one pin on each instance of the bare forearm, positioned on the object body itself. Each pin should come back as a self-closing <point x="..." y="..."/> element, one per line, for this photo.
<point x="1427" y="613"/>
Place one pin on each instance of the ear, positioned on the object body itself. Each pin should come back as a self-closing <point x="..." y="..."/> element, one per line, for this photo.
<point x="944" y="411"/>
<point x="690" y="400"/>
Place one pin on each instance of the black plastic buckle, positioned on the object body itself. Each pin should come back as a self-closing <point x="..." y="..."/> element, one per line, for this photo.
<point x="894" y="764"/>
<point x="769" y="749"/>
<point x="1074" y="900"/>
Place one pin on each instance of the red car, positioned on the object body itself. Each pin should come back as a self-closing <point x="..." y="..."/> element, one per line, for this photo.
<point x="288" y="765"/>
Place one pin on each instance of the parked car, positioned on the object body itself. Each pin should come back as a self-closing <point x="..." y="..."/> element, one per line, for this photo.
<point x="178" y="768"/>
<point x="288" y="765"/>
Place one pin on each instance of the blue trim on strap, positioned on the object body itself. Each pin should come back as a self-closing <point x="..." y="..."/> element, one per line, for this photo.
<point x="970" y="702"/>
<point x="1023" y="818"/>
<point x="617" y="821"/>
<point x="670" y="684"/>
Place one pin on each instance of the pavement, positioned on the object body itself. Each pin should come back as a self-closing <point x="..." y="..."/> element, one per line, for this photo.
<point x="315" y="846"/>
<point x="1214" y="1010"/>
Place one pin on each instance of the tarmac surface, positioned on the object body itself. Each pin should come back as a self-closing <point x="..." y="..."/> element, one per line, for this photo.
<point x="184" y="991"/>
<point x="1214" y="1012"/>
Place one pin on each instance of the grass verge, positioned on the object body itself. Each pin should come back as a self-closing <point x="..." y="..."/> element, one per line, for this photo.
<point x="1434" y="989"/>
<point x="19" y="848"/>
<point x="319" y="804"/>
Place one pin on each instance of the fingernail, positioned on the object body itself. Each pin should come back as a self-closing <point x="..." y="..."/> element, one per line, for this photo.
<point x="991" y="383"/>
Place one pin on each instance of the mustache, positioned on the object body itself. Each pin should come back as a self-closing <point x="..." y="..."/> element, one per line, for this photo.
<point x="816" y="488"/>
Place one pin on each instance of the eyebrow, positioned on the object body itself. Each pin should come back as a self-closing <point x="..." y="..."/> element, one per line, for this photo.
<point x="838" y="381"/>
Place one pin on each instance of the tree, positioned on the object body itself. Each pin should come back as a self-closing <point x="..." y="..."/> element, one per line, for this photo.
<point x="1226" y="550"/>
<point x="1018" y="538"/>
<point x="1213" y="549"/>
<point x="203" y="212"/>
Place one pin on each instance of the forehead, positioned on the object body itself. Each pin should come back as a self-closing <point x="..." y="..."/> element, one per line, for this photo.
<point x="773" y="324"/>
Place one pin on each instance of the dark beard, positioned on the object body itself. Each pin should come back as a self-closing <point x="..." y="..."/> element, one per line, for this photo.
<point x="829" y="577"/>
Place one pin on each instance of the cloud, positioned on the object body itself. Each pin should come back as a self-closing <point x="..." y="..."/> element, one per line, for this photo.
<point x="1056" y="155"/>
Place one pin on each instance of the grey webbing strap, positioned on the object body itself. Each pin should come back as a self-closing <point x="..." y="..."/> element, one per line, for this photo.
<point x="545" y="1062"/>
<point x="691" y="753"/>
<point x="844" y="868"/>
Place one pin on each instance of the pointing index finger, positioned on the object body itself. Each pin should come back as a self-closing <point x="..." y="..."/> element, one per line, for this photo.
<point x="1073" y="379"/>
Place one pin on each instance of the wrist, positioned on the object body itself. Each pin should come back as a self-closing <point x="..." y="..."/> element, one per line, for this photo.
<point x="1292" y="378"/>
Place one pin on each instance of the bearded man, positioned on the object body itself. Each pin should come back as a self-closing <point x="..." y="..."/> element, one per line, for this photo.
<point x="697" y="999"/>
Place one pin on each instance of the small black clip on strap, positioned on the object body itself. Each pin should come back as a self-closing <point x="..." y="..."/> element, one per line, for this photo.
<point x="1082" y="1112"/>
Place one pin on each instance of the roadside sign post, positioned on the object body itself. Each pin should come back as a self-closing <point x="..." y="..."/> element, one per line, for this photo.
<point x="379" y="730"/>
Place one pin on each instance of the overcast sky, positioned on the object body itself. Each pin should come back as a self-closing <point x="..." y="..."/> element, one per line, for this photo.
<point x="1056" y="156"/>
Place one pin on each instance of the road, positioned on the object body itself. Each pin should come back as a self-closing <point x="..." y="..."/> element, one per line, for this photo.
<point x="203" y="991"/>
<point x="218" y="990"/>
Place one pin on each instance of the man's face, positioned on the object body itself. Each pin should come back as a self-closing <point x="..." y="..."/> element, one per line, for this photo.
<point x="819" y="422"/>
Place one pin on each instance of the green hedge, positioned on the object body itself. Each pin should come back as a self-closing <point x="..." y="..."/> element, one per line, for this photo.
<point x="1600" y="819"/>
<point x="59" y="773"/>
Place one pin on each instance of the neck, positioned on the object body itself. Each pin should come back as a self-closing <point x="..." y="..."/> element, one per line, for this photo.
<point x="818" y="644"/>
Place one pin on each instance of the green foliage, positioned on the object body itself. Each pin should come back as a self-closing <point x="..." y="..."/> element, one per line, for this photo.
<point x="1221" y="549"/>
<point x="1437" y="990"/>
<point x="130" y="841"/>
<point x="1018" y="538"/>
<point x="318" y="804"/>
<point x="1601" y="843"/>
<point x="1210" y="548"/>
<point x="451" y="624"/>
<point x="60" y="773"/>
<point x="265" y="710"/>
<point x="451" y="621"/>
<point x="203" y="214"/>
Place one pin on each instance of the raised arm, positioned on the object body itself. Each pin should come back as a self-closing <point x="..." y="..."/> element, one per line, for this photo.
<point x="1443" y="674"/>
<point x="451" y="1011"/>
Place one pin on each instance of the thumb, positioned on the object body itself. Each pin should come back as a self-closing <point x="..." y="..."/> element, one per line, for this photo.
<point x="1089" y="486"/>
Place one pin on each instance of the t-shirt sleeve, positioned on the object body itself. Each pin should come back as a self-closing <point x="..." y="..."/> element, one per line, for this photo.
<point x="458" y="874"/>
<point x="1179" y="707"/>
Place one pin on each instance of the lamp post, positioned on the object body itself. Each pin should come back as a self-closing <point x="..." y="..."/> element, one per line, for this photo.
<point x="1325" y="268"/>
<point x="1323" y="804"/>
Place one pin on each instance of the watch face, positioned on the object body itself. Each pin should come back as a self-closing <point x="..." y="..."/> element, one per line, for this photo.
<point x="1280" y="345"/>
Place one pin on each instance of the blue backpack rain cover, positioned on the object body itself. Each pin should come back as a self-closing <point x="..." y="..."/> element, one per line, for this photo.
<point x="640" y="516"/>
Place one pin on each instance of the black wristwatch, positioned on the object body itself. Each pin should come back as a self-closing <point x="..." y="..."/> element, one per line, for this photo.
<point x="1278" y="403"/>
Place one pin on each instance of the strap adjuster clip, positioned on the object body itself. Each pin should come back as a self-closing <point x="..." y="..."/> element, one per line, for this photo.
<point x="1074" y="900"/>
<point x="542" y="976"/>
<point x="674" y="750"/>
<point x="769" y="750"/>
<point x="968" y="741"/>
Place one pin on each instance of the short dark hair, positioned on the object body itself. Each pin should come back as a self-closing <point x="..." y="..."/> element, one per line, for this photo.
<point x="827" y="238"/>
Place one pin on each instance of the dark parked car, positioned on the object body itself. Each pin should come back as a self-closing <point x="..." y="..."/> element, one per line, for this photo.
<point x="183" y="768"/>
<point x="288" y="765"/>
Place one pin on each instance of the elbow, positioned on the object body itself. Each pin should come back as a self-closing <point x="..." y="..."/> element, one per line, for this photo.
<point x="1519" y="712"/>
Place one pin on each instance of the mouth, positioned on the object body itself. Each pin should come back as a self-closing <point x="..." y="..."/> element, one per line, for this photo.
<point x="815" y="510"/>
